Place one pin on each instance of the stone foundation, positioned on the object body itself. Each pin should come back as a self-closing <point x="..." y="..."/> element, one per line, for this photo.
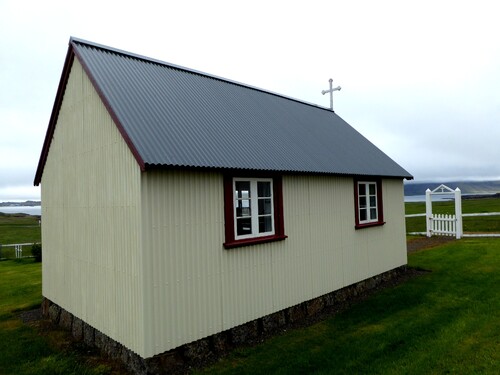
<point x="207" y="349"/>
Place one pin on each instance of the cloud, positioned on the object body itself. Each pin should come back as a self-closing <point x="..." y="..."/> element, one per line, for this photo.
<point x="19" y="193"/>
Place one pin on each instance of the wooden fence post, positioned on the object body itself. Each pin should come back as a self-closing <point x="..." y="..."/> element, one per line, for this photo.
<point x="458" y="213"/>
<point x="428" y="212"/>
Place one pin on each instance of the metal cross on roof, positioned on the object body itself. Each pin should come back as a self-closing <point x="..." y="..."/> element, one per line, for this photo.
<point x="332" y="89"/>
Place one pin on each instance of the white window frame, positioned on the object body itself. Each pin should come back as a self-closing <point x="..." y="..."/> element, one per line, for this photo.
<point x="254" y="208"/>
<point x="368" y="203"/>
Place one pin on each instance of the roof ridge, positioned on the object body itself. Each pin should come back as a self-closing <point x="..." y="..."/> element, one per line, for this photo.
<point x="190" y="70"/>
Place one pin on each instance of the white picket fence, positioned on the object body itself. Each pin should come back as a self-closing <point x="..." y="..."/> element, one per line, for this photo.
<point x="18" y="250"/>
<point x="439" y="224"/>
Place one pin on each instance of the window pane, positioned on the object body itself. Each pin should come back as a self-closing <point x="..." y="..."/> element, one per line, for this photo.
<point x="362" y="202"/>
<point x="243" y="226"/>
<point x="373" y="201"/>
<point x="243" y="208"/>
<point x="372" y="189"/>
<point x="362" y="189"/>
<point x="242" y="189"/>
<point x="373" y="214"/>
<point x="264" y="189"/>
<point x="264" y="206"/>
<point x="265" y="224"/>
<point x="362" y="214"/>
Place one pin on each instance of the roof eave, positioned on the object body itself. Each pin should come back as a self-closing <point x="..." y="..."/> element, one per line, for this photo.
<point x="233" y="170"/>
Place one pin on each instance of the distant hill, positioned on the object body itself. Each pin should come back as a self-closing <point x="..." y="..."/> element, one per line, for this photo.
<point x="20" y="204"/>
<point x="467" y="187"/>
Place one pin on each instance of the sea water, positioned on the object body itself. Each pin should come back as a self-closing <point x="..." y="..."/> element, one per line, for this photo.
<point x="30" y="210"/>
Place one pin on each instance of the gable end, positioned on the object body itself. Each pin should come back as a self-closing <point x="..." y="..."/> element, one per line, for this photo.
<point x="68" y="63"/>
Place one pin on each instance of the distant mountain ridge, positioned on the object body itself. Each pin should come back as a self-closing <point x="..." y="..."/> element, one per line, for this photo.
<point x="20" y="204"/>
<point x="467" y="187"/>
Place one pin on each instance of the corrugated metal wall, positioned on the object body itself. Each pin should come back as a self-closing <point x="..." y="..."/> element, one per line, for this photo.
<point x="91" y="218"/>
<point x="196" y="288"/>
<point x="183" y="236"/>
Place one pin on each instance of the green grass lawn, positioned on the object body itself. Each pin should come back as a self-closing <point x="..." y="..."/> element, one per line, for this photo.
<point x="18" y="228"/>
<point x="447" y="321"/>
<point x="489" y="224"/>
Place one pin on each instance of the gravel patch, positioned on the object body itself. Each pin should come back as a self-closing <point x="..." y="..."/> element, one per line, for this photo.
<point x="420" y="243"/>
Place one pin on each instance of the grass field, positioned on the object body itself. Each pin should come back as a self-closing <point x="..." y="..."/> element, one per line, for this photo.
<point x="486" y="224"/>
<point x="18" y="228"/>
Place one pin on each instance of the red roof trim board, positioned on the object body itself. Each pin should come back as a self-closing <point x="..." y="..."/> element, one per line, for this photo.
<point x="70" y="56"/>
<point x="111" y="112"/>
<point x="54" y="115"/>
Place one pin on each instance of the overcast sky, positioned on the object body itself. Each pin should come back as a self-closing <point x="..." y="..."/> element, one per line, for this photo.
<point x="420" y="79"/>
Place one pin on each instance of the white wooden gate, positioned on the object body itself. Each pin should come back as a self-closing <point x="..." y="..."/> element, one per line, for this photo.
<point x="444" y="224"/>
<point x="439" y="224"/>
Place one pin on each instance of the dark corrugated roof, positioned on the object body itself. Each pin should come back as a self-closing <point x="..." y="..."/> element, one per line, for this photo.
<point x="173" y="116"/>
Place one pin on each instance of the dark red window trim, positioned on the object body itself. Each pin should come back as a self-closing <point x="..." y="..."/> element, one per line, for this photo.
<point x="279" y="225"/>
<point x="380" y="205"/>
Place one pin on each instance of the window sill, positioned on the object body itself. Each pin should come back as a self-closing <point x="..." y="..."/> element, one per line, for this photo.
<point x="253" y="241"/>
<point x="369" y="225"/>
